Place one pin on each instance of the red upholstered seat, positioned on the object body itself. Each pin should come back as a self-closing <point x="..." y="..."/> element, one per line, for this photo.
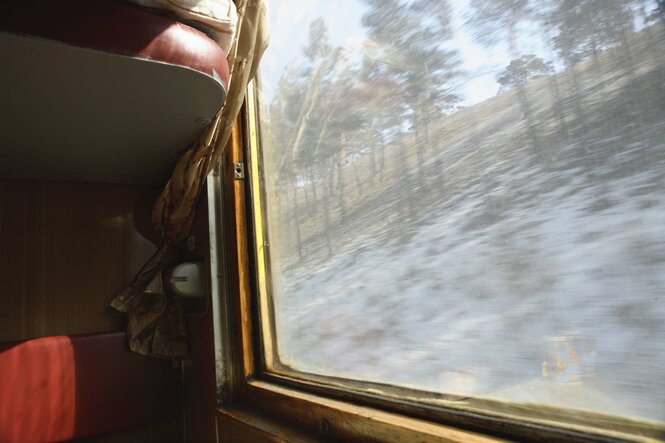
<point x="59" y="388"/>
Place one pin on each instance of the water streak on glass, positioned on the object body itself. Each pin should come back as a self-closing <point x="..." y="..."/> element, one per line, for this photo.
<point x="468" y="196"/>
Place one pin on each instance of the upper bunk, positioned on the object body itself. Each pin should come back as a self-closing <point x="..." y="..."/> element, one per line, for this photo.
<point x="101" y="90"/>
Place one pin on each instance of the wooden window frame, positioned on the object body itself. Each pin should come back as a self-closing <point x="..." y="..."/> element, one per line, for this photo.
<point x="323" y="410"/>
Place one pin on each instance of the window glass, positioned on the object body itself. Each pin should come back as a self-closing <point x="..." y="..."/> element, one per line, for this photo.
<point x="468" y="197"/>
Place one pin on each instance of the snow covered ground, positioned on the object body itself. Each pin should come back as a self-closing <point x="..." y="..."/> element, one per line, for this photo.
<point x="550" y="276"/>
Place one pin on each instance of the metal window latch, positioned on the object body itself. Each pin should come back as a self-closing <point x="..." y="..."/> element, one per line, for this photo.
<point x="239" y="171"/>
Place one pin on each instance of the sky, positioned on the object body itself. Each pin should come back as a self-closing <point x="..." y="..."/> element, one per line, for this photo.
<point x="289" y="21"/>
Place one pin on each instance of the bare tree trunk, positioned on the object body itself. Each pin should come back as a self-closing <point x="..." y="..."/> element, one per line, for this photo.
<point x="521" y="93"/>
<point x="340" y="186"/>
<point x="577" y="103"/>
<point x="596" y="64"/>
<point x="326" y="216"/>
<point x="555" y="91"/>
<point x="296" y="216"/>
<point x="404" y="181"/>
<point x="419" y="145"/>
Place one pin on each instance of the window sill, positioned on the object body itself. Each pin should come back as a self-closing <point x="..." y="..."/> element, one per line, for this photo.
<point x="289" y="413"/>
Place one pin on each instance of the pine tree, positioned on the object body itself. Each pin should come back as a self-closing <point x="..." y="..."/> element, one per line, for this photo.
<point x="408" y="51"/>
<point x="496" y="20"/>
<point x="523" y="69"/>
<point x="587" y="27"/>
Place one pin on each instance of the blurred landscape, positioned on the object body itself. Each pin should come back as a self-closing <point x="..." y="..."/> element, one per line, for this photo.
<point x="512" y="248"/>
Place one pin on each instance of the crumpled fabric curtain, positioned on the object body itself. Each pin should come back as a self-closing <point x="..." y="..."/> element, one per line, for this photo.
<point x="156" y="322"/>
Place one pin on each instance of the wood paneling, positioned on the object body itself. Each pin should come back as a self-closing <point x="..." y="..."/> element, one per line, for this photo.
<point x="164" y="432"/>
<point x="65" y="250"/>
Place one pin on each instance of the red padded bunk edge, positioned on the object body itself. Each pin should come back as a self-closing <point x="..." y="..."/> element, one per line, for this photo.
<point x="59" y="388"/>
<point x="119" y="28"/>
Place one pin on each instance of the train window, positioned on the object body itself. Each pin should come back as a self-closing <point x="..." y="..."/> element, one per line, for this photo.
<point x="461" y="203"/>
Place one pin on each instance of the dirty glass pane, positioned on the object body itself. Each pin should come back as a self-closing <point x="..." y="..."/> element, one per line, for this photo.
<point x="468" y="197"/>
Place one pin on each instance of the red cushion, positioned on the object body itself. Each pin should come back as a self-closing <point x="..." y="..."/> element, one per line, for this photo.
<point x="118" y="28"/>
<point x="59" y="388"/>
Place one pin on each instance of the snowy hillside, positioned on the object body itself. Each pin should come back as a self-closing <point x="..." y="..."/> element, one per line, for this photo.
<point x="511" y="258"/>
